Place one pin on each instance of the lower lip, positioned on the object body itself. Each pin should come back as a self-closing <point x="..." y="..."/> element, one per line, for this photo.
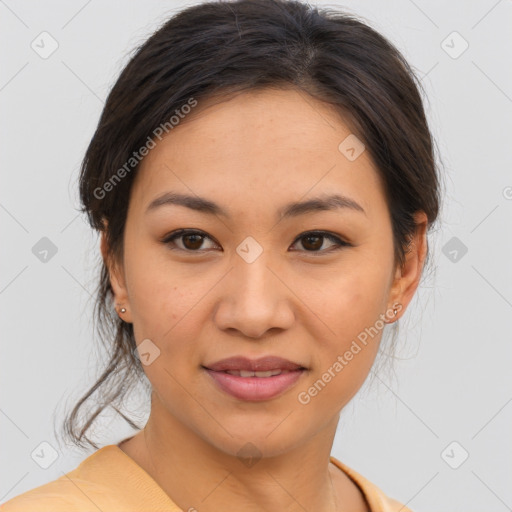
<point x="255" y="388"/>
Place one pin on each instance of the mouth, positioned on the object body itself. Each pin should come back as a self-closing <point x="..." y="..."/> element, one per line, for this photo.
<point x="254" y="380"/>
<point x="263" y="364"/>
<point x="248" y="373"/>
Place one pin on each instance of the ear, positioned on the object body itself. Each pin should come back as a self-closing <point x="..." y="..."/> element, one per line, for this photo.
<point x="117" y="279"/>
<point x="408" y="276"/>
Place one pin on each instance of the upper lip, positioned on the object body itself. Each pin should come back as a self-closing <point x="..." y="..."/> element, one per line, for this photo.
<point x="254" y="365"/>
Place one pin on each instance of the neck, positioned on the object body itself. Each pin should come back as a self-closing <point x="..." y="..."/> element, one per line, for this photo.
<point x="199" y="476"/>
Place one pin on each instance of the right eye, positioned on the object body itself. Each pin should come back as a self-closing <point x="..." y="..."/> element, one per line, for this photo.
<point x="190" y="240"/>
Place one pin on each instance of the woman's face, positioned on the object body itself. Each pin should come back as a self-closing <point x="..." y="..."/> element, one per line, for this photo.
<point x="251" y="282"/>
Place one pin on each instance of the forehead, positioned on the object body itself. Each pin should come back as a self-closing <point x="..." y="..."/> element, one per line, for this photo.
<point x="271" y="143"/>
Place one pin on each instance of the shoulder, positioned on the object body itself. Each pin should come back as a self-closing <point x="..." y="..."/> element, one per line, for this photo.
<point x="396" y="506"/>
<point x="108" y="480"/>
<point x="55" y="496"/>
<point x="377" y="500"/>
<point x="86" y="488"/>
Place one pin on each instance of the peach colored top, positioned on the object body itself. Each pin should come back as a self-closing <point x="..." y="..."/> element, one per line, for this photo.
<point x="109" y="480"/>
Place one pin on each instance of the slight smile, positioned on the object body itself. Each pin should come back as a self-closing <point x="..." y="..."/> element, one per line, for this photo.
<point x="255" y="379"/>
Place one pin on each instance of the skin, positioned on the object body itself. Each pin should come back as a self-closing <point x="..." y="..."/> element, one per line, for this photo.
<point x="251" y="155"/>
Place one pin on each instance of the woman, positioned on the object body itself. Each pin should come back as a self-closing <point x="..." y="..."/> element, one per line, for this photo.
<point x="263" y="180"/>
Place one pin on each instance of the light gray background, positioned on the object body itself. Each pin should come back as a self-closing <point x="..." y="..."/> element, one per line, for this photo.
<point x="454" y="380"/>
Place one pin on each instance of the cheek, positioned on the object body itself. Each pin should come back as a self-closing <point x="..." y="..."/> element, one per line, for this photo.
<point x="350" y="309"/>
<point x="170" y="308"/>
<point x="167" y="311"/>
<point x="161" y="293"/>
<point x="349" y="301"/>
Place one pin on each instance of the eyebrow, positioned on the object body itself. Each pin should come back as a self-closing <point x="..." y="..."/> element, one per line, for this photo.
<point x="200" y="204"/>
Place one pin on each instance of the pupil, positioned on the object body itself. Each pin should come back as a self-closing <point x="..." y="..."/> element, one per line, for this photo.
<point x="314" y="237"/>
<point x="197" y="244"/>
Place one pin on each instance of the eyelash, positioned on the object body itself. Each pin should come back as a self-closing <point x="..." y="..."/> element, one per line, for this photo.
<point x="169" y="239"/>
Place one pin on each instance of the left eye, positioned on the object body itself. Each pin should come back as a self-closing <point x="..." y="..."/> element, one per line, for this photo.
<point x="313" y="241"/>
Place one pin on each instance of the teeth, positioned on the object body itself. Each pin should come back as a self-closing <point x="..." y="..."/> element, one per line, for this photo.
<point x="246" y="373"/>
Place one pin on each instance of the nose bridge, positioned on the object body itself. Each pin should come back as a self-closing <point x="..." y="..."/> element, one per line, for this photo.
<point x="254" y="283"/>
<point x="255" y="300"/>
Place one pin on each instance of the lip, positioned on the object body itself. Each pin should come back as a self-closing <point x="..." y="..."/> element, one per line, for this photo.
<point x="255" y="388"/>
<point x="254" y="365"/>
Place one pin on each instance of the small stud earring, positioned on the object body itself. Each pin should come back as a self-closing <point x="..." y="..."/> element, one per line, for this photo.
<point x="395" y="310"/>
<point x="123" y="310"/>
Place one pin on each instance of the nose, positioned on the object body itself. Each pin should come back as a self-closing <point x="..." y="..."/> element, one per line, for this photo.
<point x="255" y="299"/>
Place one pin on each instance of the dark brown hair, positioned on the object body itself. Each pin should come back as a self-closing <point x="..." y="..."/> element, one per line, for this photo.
<point x="227" y="47"/>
